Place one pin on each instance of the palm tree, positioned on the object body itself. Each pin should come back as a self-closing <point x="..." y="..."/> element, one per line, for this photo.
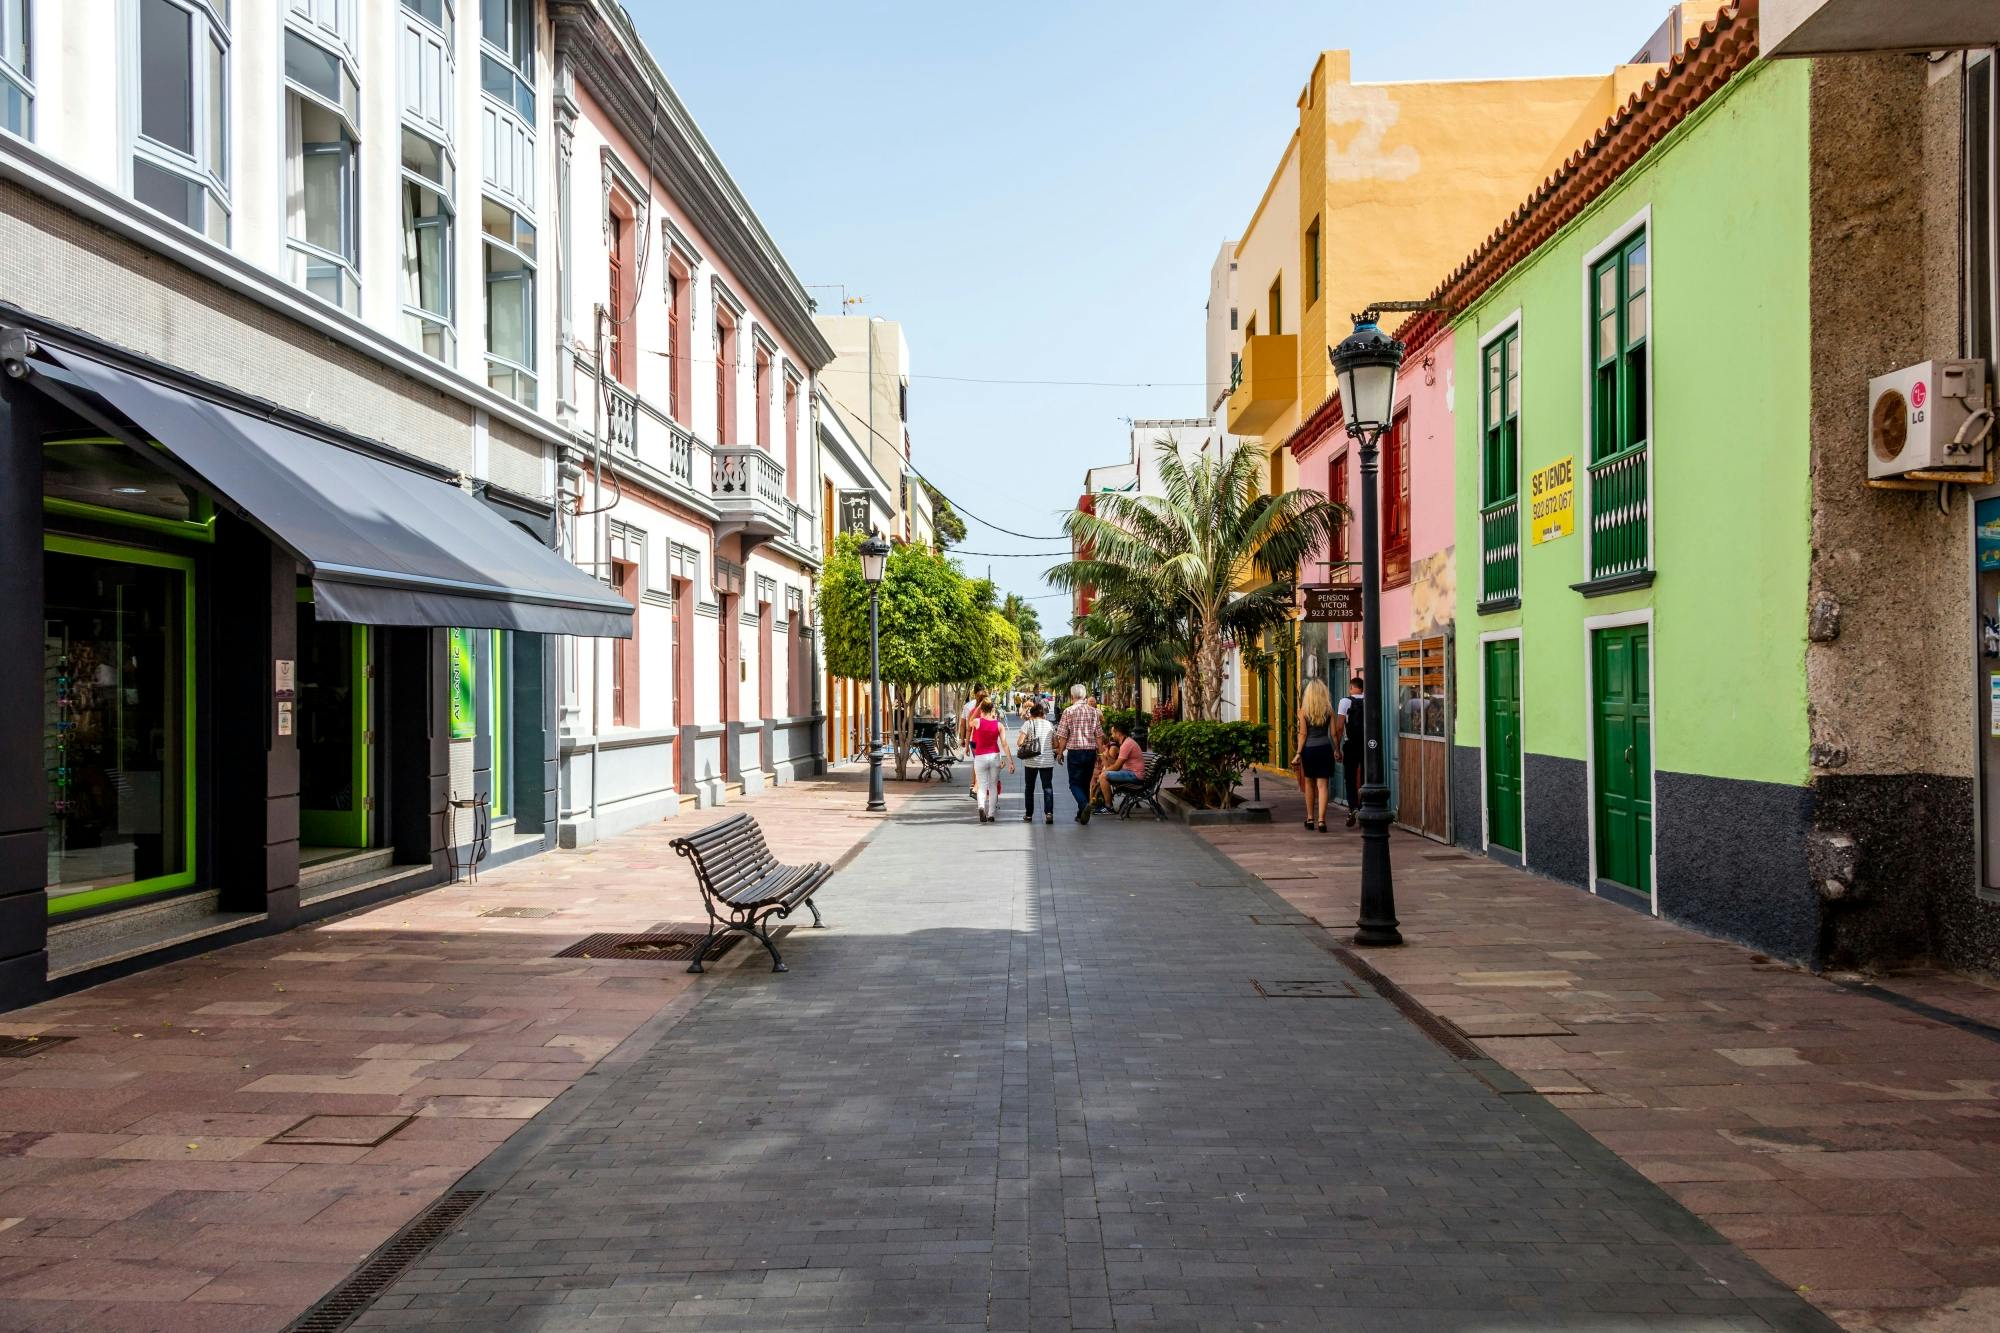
<point x="1194" y="546"/>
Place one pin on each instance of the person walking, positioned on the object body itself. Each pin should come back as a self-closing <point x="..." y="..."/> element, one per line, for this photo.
<point x="1353" y="742"/>
<point x="1076" y="743"/>
<point x="1314" y="761"/>
<point x="1036" y="749"/>
<point x="989" y="752"/>
<point x="966" y="717"/>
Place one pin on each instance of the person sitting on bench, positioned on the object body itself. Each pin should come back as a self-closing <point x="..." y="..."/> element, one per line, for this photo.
<point x="1128" y="767"/>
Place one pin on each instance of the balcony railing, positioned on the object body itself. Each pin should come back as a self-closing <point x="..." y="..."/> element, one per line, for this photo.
<point x="621" y="419"/>
<point x="680" y="455"/>
<point x="1620" y="511"/>
<point x="1500" y="548"/>
<point x="749" y="486"/>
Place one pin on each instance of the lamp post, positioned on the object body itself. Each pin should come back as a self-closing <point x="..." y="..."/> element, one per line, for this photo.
<point x="1366" y="362"/>
<point x="874" y="560"/>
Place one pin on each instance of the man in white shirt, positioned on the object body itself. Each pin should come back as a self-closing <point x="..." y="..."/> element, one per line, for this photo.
<point x="1352" y="736"/>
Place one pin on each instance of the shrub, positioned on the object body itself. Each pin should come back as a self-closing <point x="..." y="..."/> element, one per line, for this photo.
<point x="1210" y="756"/>
<point x="1127" y="718"/>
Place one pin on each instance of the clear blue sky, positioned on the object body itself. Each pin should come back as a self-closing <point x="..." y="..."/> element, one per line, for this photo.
<point x="1036" y="191"/>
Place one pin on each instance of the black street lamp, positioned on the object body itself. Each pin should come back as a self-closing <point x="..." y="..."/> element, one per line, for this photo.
<point x="1366" y="362"/>
<point x="874" y="560"/>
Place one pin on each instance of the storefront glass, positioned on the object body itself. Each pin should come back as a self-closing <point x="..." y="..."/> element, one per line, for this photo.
<point x="117" y="713"/>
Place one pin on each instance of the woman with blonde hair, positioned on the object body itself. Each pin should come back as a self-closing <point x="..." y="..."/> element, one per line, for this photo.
<point x="1314" y="761"/>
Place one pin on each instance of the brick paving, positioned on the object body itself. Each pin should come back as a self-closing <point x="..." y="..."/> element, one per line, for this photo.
<point x="144" y="1183"/>
<point x="1025" y="1081"/>
<point x="1849" y="1145"/>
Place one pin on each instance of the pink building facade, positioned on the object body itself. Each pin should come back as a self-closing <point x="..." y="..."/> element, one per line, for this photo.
<point x="1418" y="589"/>
<point x="686" y="375"/>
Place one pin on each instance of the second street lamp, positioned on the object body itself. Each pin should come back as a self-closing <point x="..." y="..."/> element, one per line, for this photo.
<point x="874" y="563"/>
<point x="1366" y="362"/>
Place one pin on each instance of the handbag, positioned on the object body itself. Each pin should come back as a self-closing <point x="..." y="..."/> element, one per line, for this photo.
<point x="1030" y="746"/>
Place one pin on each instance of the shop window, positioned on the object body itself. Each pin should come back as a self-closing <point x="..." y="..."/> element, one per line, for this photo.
<point x="500" y="721"/>
<point x="17" y="88"/>
<point x="428" y="188"/>
<point x="510" y="303"/>
<point x="180" y="154"/>
<point x="117" y="713"/>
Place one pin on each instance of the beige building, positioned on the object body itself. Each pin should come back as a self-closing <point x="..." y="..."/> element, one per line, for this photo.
<point x="869" y="383"/>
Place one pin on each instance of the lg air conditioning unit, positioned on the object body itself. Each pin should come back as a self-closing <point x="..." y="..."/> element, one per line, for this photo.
<point x="1930" y="417"/>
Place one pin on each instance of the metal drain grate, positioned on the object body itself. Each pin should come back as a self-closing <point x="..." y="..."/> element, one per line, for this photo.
<point x="19" y="1048"/>
<point x="668" y="946"/>
<point x="341" y="1306"/>
<point x="1322" y="989"/>
<point x="1427" y="1022"/>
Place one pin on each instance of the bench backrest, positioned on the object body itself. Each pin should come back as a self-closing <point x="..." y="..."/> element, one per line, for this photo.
<point x="728" y="855"/>
<point x="1156" y="767"/>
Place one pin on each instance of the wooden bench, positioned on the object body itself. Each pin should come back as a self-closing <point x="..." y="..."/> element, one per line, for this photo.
<point x="1143" y="793"/>
<point x="744" y="886"/>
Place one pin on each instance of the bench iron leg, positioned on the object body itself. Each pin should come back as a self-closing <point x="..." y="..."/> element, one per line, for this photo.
<point x="819" y="922"/>
<point x="777" y="963"/>
<point x="701" y="951"/>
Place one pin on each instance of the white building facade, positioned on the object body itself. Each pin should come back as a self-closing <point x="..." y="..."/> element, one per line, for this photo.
<point x="686" y="378"/>
<point x="280" y="503"/>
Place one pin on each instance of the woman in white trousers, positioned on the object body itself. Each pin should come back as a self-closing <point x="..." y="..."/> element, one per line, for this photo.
<point x="989" y="752"/>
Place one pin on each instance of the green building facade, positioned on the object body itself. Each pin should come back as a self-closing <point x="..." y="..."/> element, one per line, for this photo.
<point x="1633" y="703"/>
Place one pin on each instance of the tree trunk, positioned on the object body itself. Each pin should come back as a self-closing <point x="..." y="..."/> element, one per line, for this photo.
<point x="902" y="726"/>
<point x="1204" y="696"/>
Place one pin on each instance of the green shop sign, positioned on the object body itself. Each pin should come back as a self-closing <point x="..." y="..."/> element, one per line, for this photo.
<point x="463" y="678"/>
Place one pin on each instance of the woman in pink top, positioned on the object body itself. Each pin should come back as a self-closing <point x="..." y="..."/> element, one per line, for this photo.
<point x="989" y="752"/>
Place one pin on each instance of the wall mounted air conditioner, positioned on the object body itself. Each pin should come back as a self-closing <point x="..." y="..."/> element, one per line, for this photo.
<point x="1921" y="419"/>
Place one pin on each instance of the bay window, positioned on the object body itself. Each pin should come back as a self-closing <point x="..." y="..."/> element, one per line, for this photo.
<point x="510" y="302"/>
<point x="180" y="152"/>
<point x="17" y="89"/>
<point x="427" y="187"/>
<point x="322" y="189"/>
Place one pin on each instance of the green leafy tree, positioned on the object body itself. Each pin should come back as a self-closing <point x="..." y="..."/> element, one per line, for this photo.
<point x="945" y="522"/>
<point x="937" y="627"/>
<point x="1196" y="546"/>
<point x="1021" y="614"/>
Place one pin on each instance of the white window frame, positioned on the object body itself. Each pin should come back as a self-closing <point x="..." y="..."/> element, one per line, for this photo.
<point x="206" y="29"/>
<point x="20" y="77"/>
<point x="1592" y="624"/>
<point x="418" y="31"/>
<point x="418" y="38"/>
<point x="302" y="253"/>
<point x="416" y="315"/>
<point x="1618" y="236"/>
<point x="530" y="273"/>
<point x="507" y="127"/>
<point x="331" y="22"/>
<point x="1486" y="740"/>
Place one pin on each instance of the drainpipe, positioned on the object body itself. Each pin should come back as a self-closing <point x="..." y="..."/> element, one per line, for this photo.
<point x="599" y="549"/>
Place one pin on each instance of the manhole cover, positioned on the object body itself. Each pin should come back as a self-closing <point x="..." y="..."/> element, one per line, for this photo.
<point x="1327" y="989"/>
<point x="678" y="944"/>
<point x="520" y="911"/>
<point x="1285" y="919"/>
<point x="22" y="1047"/>
<point x="343" y="1131"/>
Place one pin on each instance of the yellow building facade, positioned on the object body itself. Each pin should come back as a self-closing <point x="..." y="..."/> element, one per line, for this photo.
<point x="1379" y="191"/>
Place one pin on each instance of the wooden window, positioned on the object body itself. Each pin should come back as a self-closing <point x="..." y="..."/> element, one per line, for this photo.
<point x="677" y="341"/>
<point x="1277" y="305"/>
<point x="1312" y="263"/>
<point x="1343" y="536"/>
<point x="791" y="436"/>
<point x="762" y="391"/>
<point x="625" y="652"/>
<point x="1395" y="502"/>
<point x="1620" y="381"/>
<point x="620" y="336"/>
<point x="1500" y="416"/>
<point x="725" y="382"/>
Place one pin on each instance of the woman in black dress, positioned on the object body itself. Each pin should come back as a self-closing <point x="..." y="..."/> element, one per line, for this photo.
<point x="1315" y="759"/>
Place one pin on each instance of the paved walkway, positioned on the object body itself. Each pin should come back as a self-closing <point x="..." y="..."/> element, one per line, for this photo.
<point x="221" y="1140"/>
<point x="1027" y="1080"/>
<point x="1846" y="1136"/>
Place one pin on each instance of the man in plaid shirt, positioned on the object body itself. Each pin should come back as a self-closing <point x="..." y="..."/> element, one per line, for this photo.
<point x="1076" y="744"/>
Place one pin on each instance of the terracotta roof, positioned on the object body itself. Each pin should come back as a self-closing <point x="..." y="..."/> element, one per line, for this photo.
<point x="1713" y="56"/>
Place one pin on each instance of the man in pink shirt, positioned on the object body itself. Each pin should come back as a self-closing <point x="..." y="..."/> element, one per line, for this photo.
<point x="1130" y="765"/>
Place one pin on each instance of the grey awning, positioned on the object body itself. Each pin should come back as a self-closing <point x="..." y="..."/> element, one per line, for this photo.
<point x="386" y="545"/>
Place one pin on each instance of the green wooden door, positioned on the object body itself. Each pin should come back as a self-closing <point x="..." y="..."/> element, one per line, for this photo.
<point x="1503" y="743"/>
<point x="1621" y="669"/>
